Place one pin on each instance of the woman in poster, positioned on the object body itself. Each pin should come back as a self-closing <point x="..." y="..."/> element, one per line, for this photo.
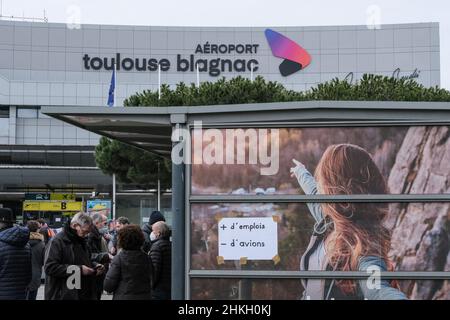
<point x="347" y="236"/>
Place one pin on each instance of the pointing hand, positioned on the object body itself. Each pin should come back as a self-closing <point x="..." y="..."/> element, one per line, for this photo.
<point x="298" y="165"/>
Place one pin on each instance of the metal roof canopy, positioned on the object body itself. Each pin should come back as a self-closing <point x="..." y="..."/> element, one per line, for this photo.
<point x="150" y="128"/>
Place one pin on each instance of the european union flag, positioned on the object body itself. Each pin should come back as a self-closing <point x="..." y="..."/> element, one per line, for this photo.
<point x="112" y="88"/>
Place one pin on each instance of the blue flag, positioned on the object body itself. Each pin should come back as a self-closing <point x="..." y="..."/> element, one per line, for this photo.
<point x="112" y="88"/>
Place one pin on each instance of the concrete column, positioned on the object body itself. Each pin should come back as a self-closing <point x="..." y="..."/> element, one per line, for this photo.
<point x="179" y="273"/>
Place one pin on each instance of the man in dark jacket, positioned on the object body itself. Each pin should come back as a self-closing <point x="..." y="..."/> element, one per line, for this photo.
<point x="15" y="258"/>
<point x="147" y="229"/>
<point x="37" y="258"/>
<point x="161" y="257"/>
<point x="70" y="273"/>
<point x="98" y="247"/>
<point x="120" y="223"/>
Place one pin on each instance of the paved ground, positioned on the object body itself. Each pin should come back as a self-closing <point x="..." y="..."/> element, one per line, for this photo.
<point x="40" y="295"/>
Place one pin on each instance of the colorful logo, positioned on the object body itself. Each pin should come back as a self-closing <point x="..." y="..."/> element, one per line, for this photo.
<point x="295" y="57"/>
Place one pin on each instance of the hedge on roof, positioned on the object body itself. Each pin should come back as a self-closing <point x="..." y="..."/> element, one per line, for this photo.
<point x="133" y="165"/>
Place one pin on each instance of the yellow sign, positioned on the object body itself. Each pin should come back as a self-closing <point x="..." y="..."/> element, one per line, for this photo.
<point x="31" y="206"/>
<point x="52" y="206"/>
<point x="62" y="196"/>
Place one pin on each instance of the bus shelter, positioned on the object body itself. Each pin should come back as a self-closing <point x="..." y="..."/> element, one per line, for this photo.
<point x="243" y="219"/>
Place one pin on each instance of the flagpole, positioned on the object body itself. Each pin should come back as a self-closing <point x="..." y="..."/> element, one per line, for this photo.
<point x="159" y="81"/>
<point x="115" y="82"/>
<point x="198" y="76"/>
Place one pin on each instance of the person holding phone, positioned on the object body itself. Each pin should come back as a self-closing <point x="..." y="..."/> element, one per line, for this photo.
<point x="68" y="255"/>
<point x="346" y="236"/>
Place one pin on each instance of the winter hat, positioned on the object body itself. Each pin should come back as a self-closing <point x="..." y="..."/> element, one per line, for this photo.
<point x="155" y="217"/>
<point x="7" y="215"/>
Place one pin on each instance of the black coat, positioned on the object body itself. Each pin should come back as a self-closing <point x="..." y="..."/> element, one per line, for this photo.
<point x="161" y="257"/>
<point x="66" y="250"/>
<point x="98" y="255"/>
<point x="44" y="231"/>
<point x="147" y="230"/>
<point x="37" y="259"/>
<point x="94" y="242"/>
<point x="15" y="263"/>
<point x="129" y="276"/>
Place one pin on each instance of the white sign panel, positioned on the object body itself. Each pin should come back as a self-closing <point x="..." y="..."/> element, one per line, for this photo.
<point x="252" y="238"/>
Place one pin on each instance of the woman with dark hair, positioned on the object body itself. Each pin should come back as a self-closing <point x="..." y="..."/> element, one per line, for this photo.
<point x="347" y="236"/>
<point x="129" y="275"/>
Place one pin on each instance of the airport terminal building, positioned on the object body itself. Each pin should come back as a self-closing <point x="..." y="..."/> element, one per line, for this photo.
<point x="49" y="64"/>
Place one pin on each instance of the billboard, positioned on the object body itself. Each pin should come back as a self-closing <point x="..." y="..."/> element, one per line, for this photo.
<point x="403" y="155"/>
<point x="327" y="236"/>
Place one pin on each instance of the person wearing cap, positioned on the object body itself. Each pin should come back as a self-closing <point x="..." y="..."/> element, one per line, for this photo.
<point x="147" y="229"/>
<point x="15" y="257"/>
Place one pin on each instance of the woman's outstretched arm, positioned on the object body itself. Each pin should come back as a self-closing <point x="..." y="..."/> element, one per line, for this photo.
<point x="309" y="186"/>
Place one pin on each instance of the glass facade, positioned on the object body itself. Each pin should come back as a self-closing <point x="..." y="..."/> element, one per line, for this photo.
<point x="137" y="208"/>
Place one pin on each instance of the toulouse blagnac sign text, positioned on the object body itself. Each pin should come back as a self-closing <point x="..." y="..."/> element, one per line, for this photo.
<point x="238" y="57"/>
<point x="295" y="58"/>
<point x="214" y="66"/>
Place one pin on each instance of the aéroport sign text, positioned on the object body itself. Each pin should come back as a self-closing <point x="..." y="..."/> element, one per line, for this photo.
<point x="240" y="57"/>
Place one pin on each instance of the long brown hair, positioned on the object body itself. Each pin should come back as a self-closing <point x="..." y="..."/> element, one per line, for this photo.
<point x="358" y="230"/>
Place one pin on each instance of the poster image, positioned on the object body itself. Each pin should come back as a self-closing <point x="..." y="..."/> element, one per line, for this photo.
<point x="334" y="236"/>
<point x="101" y="206"/>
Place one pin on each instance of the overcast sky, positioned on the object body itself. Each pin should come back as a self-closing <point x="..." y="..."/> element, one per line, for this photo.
<point x="257" y="13"/>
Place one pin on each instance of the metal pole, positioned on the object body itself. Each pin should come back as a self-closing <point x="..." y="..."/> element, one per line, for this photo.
<point x="159" y="195"/>
<point x="159" y="190"/>
<point x="114" y="197"/>
<point x="115" y="82"/>
<point x="178" y="230"/>
<point x="198" y="77"/>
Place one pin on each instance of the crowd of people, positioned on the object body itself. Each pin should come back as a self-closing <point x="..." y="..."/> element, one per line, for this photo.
<point x="88" y="257"/>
